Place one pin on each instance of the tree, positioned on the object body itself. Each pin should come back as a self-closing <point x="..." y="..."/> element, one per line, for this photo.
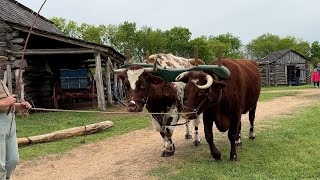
<point x="268" y="43"/>
<point x="203" y="50"/>
<point x="230" y="44"/>
<point x="178" y="41"/>
<point x="263" y="45"/>
<point x="69" y="29"/>
<point x="315" y="53"/>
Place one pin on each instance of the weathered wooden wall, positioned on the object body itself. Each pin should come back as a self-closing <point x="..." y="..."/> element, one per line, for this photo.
<point x="275" y="73"/>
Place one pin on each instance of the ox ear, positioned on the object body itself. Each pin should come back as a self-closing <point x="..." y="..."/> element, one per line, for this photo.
<point x="122" y="76"/>
<point x="153" y="79"/>
<point x="218" y="85"/>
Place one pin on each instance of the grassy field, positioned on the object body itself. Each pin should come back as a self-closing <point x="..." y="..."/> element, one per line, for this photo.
<point x="290" y="150"/>
<point x="268" y="96"/>
<point x="286" y="87"/>
<point x="41" y="123"/>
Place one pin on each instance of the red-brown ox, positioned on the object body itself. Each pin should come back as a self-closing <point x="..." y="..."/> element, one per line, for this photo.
<point x="223" y="101"/>
<point x="144" y="88"/>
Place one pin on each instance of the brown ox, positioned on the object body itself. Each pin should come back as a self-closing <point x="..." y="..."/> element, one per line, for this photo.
<point x="144" y="88"/>
<point x="223" y="101"/>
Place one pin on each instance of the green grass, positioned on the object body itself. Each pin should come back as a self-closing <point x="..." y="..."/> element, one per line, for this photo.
<point x="268" y="96"/>
<point x="307" y="86"/>
<point x="41" y="123"/>
<point x="287" y="149"/>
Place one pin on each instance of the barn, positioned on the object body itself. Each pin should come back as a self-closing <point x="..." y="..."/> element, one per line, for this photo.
<point x="55" y="64"/>
<point x="276" y="67"/>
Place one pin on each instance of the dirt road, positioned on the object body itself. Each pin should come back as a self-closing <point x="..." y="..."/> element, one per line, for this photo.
<point x="131" y="155"/>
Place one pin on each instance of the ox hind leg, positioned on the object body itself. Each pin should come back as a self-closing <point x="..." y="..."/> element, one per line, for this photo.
<point x="208" y="123"/>
<point x="252" y="114"/>
<point x="169" y="147"/>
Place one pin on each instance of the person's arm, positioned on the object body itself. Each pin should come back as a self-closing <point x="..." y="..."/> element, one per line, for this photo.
<point x="8" y="101"/>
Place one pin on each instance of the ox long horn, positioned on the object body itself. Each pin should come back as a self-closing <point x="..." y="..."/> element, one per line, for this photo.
<point x="115" y="71"/>
<point x="209" y="82"/>
<point x="180" y="76"/>
<point x="154" y="68"/>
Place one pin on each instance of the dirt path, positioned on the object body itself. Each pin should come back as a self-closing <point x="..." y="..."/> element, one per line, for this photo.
<point x="131" y="155"/>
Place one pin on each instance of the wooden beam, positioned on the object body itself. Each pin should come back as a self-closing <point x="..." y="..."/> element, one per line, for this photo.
<point x="115" y="82"/>
<point x="99" y="83"/>
<point x="70" y="40"/>
<point x="108" y="84"/>
<point x="9" y="78"/>
<point x="54" y="51"/>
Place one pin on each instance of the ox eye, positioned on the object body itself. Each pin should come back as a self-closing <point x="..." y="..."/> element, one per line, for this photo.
<point x="201" y="93"/>
<point x="143" y="86"/>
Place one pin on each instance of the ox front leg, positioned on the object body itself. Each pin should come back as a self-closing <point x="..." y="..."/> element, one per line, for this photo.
<point x="196" y="140"/>
<point x="233" y="135"/>
<point x="208" y="123"/>
<point x="188" y="133"/>
<point x="168" y="145"/>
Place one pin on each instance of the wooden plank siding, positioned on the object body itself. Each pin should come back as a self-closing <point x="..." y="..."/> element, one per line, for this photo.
<point x="274" y="71"/>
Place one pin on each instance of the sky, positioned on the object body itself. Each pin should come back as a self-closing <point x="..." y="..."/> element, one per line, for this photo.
<point x="246" y="19"/>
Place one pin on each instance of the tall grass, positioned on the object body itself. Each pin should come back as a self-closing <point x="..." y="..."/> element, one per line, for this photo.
<point x="287" y="149"/>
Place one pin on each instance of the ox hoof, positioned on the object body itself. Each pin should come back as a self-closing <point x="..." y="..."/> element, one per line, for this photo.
<point x="239" y="144"/>
<point x="167" y="153"/>
<point x="188" y="136"/>
<point x="217" y="156"/>
<point x="196" y="143"/>
<point x="233" y="158"/>
<point x="252" y="138"/>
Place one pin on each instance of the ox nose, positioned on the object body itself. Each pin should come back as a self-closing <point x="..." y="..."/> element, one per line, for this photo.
<point x="188" y="115"/>
<point x="132" y="106"/>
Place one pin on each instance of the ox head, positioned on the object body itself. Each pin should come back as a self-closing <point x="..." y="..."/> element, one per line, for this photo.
<point x="137" y="80"/>
<point x="201" y="90"/>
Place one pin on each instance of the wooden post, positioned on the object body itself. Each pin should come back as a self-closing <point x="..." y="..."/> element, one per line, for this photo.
<point x="9" y="78"/>
<point x="219" y="56"/>
<point x="115" y="82"/>
<point x="120" y="88"/>
<point x="129" y="56"/>
<point x="196" y="55"/>
<point x="20" y="84"/>
<point x="268" y="73"/>
<point x="99" y="83"/>
<point x="108" y="84"/>
<point x="147" y="57"/>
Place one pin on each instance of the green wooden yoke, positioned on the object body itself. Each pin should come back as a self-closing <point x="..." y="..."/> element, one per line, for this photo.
<point x="170" y="74"/>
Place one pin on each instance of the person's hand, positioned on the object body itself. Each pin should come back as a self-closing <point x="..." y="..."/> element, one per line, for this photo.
<point x="10" y="100"/>
<point x="25" y="105"/>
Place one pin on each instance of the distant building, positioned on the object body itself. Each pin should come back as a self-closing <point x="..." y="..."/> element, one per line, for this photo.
<point x="279" y="65"/>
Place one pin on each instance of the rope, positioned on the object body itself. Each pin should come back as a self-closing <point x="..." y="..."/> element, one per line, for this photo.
<point x="103" y="112"/>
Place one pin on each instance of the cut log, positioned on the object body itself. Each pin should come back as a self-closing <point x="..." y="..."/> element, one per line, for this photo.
<point x="77" y="131"/>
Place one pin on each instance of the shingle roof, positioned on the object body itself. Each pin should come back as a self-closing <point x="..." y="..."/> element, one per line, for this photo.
<point x="278" y="54"/>
<point x="14" y="12"/>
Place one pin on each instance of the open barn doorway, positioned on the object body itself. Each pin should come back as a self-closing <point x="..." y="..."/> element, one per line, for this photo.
<point x="291" y="75"/>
